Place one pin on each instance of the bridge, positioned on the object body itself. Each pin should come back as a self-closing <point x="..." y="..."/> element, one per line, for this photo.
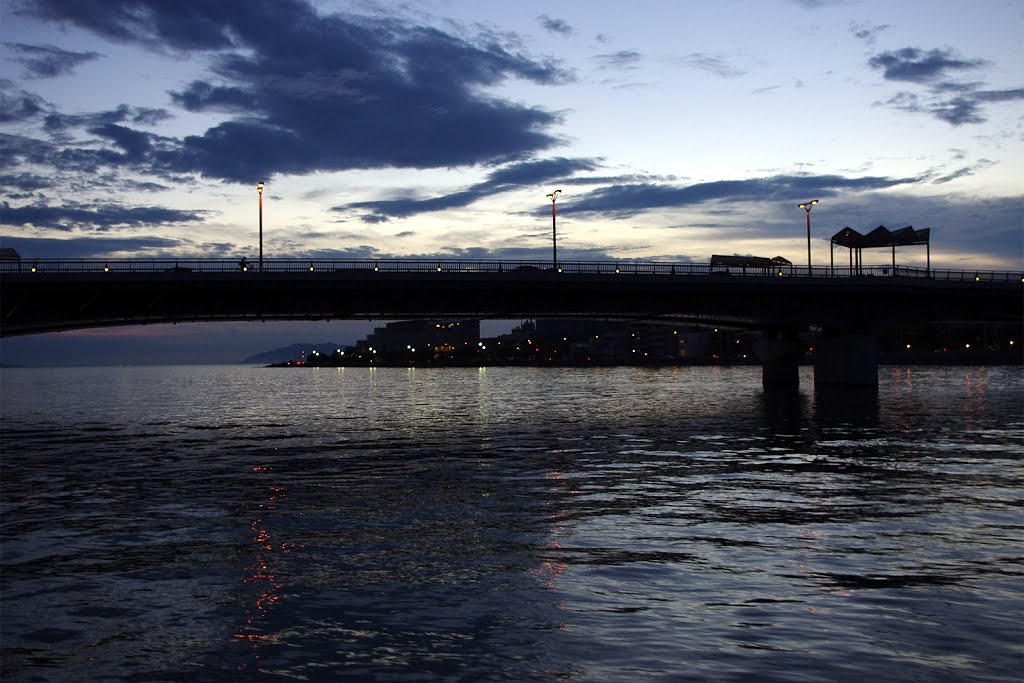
<point x="848" y="305"/>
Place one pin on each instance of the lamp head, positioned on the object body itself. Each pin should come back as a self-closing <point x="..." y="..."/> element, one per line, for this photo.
<point x="259" y="187"/>
<point x="554" y="195"/>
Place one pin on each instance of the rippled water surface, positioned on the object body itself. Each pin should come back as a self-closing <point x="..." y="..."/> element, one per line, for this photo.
<point x="238" y="523"/>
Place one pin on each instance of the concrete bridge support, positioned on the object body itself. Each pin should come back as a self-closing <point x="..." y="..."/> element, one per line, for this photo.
<point x="779" y="353"/>
<point x="847" y="358"/>
<point x="840" y="358"/>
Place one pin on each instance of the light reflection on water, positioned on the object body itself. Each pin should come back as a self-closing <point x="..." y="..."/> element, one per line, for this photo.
<point x="509" y="524"/>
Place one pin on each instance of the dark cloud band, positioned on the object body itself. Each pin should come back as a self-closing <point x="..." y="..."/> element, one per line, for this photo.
<point x="310" y="93"/>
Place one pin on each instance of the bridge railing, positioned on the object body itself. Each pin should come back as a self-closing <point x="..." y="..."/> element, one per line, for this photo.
<point x="185" y="265"/>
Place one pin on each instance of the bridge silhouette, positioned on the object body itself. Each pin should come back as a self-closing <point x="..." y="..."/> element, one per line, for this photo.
<point x="848" y="305"/>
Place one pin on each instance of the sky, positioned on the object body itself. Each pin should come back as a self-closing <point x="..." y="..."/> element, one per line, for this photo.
<point x="675" y="130"/>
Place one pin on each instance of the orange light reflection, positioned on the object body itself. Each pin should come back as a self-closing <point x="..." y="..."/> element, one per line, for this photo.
<point x="261" y="572"/>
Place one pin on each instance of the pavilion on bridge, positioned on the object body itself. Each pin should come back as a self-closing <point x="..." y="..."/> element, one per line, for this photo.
<point x="879" y="237"/>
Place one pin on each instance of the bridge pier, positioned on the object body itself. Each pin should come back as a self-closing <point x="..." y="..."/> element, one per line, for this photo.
<point x="840" y="358"/>
<point x="779" y="353"/>
<point x="849" y="358"/>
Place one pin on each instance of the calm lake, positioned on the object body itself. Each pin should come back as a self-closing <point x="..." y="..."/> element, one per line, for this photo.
<point x="521" y="524"/>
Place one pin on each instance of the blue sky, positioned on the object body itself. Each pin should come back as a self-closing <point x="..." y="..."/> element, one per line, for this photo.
<point x="675" y="130"/>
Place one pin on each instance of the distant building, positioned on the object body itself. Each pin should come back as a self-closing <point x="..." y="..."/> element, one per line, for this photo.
<point x="601" y="341"/>
<point x="424" y="339"/>
<point x="552" y="341"/>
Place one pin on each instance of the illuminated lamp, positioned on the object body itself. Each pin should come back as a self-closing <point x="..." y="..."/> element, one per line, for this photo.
<point x="807" y="206"/>
<point x="554" y="233"/>
<point x="259" y="188"/>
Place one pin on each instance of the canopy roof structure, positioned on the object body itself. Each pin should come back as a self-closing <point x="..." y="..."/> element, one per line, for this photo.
<point x="881" y="237"/>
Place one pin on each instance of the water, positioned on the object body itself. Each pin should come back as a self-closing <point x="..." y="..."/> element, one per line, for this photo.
<point x="237" y="523"/>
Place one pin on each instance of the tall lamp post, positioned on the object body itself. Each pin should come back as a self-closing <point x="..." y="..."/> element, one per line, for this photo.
<point x="807" y="206"/>
<point x="554" y="234"/>
<point x="259" y="188"/>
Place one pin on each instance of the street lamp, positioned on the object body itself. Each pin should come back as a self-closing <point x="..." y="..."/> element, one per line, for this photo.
<point x="259" y="188"/>
<point x="806" y="206"/>
<point x="554" y="239"/>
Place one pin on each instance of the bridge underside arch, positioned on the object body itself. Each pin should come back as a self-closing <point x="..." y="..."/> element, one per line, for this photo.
<point x="783" y="306"/>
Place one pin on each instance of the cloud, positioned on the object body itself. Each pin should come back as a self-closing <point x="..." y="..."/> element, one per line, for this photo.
<point x="93" y="217"/>
<point x="328" y="92"/>
<point x="617" y="179"/>
<point x="619" y="201"/>
<point x="624" y="196"/>
<point x="623" y="59"/>
<point x="919" y="66"/>
<point x="19" y="105"/>
<point x="24" y="185"/>
<point x="101" y="247"/>
<point x="153" y="23"/>
<point x="819" y="4"/>
<point x="541" y="252"/>
<point x="714" y="64"/>
<point x="523" y="174"/>
<point x="47" y="61"/>
<point x="63" y="125"/>
<point x="868" y="33"/>
<point x="93" y="148"/>
<point x="201" y="96"/>
<point x="956" y="103"/>
<point x="559" y="26"/>
<point x="964" y="107"/>
<point x="998" y="95"/>
<point x="964" y="172"/>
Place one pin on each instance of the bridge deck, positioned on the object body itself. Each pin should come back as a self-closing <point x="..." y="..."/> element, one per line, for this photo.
<point x="45" y="296"/>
